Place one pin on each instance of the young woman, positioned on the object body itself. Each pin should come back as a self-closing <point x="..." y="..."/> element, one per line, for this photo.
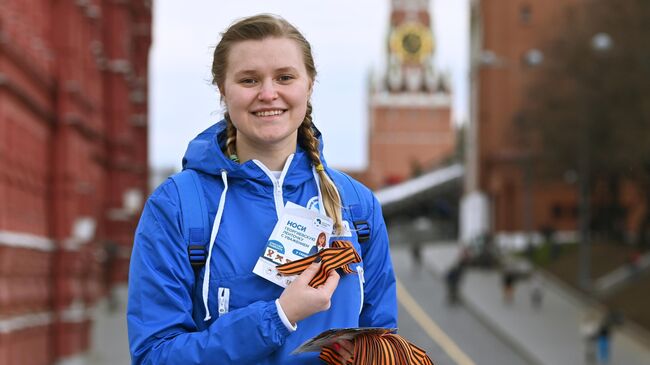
<point x="265" y="153"/>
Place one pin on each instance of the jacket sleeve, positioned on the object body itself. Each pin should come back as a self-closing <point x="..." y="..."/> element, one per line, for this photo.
<point x="380" y="303"/>
<point x="160" y="301"/>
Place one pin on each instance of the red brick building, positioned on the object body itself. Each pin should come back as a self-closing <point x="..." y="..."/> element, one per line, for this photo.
<point x="410" y="127"/>
<point x="507" y="43"/>
<point x="73" y="166"/>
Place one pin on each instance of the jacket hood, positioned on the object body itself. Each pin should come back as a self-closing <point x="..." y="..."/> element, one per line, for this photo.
<point x="204" y="153"/>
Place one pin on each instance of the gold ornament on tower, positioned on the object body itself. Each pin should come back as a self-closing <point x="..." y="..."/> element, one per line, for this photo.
<point x="411" y="42"/>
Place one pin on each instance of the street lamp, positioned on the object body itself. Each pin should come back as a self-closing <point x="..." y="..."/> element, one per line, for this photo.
<point x="600" y="43"/>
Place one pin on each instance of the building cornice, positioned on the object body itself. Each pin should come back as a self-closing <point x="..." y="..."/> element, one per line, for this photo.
<point x="410" y="100"/>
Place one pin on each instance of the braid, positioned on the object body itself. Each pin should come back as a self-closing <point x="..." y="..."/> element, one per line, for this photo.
<point x="331" y="197"/>
<point x="231" y="137"/>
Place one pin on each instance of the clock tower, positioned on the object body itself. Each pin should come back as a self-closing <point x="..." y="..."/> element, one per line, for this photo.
<point x="410" y="128"/>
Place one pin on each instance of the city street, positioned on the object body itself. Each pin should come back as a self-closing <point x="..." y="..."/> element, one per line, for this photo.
<point x="450" y="334"/>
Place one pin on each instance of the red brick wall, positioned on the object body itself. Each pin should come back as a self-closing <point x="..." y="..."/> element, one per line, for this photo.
<point x="502" y="86"/>
<point x="73" y="141"/>
<point x="403" y="139"/>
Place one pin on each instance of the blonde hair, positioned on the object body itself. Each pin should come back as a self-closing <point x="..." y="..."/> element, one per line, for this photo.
<point x="260" y="27"/>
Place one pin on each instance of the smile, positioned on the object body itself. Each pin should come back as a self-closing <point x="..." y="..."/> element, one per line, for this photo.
<point x="268" y="113"/>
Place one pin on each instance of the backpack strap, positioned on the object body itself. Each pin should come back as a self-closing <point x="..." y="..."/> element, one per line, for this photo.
<point x="194" y="213"/>
<point x="351" y="201"/>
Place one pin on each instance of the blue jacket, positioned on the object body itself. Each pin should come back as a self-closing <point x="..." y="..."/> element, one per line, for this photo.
<point x="166" y="313"/>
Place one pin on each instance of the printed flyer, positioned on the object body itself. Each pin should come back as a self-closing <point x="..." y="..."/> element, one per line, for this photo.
<point x="299" y="233"/>
<point x="336" y="334"/>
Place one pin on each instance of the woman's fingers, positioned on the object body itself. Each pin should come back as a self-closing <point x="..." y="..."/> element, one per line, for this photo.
<point x="331" y="283"/>
<point x="345" y="350"/>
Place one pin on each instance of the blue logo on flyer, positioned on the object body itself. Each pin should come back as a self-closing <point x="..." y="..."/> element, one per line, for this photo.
<point x="313" y="204"/>
<point x="275" y="245"/>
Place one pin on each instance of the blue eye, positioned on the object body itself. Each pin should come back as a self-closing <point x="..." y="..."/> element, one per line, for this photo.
<point x="247" y="81"/>
<point x="285" y="78"/>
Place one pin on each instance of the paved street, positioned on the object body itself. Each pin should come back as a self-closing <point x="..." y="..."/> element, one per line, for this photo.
<point x="549" y="336"/>
<point x="473" y="338"/>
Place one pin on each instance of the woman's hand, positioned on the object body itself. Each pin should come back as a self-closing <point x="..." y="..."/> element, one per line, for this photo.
<point x="299" y="300"/>
<point x="345" y="350"/>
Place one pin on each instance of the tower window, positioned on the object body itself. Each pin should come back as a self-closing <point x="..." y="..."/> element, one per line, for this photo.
<point x="525" y="14"/>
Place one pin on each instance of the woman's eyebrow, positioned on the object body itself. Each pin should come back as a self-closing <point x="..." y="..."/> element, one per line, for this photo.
<point x="287" y="69"/>
<point x="245" y="73"/>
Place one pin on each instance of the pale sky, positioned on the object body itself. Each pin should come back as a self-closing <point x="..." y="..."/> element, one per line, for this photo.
<point x="348" y="39"/>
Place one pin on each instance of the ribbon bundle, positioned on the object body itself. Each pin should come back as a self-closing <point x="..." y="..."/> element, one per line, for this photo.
<point x="378" y="349"/>
<point x="339" y="255"/>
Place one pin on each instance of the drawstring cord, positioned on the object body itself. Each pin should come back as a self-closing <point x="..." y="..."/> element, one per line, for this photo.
<point x="213" y="236"/>
<point x="321" y="205"/>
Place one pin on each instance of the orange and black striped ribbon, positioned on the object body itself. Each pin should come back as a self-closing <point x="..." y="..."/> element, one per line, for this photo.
<point x="339" y="255"/>
<point x="378" y="349"/>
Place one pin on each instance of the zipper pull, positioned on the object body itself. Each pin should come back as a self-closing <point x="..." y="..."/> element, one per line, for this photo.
<point x="224" y="300"/>
<point x="362" y="277"/>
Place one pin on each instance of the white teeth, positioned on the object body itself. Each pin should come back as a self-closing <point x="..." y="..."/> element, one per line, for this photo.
<point x="268" y="113"/>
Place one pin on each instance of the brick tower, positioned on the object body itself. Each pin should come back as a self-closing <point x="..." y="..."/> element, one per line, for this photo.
<point x="409" y="106"/>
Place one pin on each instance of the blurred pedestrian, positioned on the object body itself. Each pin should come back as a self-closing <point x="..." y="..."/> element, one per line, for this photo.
<point x="536" y="292"/>
<point x="588" y="329"/>
<point x="508" y="280"/>
<point x="603" y="335"/>
<point x="453" y="280"/>
<point x="416" y="254"/>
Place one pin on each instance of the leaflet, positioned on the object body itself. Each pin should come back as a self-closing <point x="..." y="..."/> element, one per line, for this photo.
<point x="299" y="233"/>
<point x="315" y="344"/>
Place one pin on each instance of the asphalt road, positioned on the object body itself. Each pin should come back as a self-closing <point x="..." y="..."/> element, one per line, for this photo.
<point x="451" y="335"/>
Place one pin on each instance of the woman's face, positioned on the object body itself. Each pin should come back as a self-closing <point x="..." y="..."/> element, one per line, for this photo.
<point x="321" y="240"/>
<point x="266" y="92"/>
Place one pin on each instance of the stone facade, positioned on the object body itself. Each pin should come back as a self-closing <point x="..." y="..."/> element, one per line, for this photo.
<point x="73" y="166"/>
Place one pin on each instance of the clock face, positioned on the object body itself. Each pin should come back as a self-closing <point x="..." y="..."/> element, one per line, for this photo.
<point x="411" y="42"/>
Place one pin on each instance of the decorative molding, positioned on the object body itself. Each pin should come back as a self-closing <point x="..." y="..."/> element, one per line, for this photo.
<point x="26" y="240"/>
<point x="77" y="312"/>
<point x="120" y="66"/>
<point x="139" y="120"/>
<point x="24" y="97"/>
<point x="41" y="79"/>
<point x="20" y="322"/>
<point x="410" y="100"/>
<point x="80" y="359"/>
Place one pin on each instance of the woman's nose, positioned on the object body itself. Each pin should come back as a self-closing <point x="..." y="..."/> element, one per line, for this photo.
<point x="267" y="91"/>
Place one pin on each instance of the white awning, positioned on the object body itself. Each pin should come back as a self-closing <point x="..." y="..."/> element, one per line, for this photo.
<point x="427" y="182"/>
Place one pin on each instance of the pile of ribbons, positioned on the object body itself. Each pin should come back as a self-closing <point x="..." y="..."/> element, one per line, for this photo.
<point x="340" y="255"/>
<point x="378" y="349"/>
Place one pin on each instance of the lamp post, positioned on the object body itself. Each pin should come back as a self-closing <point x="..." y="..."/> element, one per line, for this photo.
<point x="600" y="43"/>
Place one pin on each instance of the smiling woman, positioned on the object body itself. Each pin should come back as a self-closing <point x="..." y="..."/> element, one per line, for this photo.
<point x="266" y="91"/>
<point x="252" y="171"/>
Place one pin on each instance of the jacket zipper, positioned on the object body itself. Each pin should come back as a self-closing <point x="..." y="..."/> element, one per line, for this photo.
<point x="277" y="183"/>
